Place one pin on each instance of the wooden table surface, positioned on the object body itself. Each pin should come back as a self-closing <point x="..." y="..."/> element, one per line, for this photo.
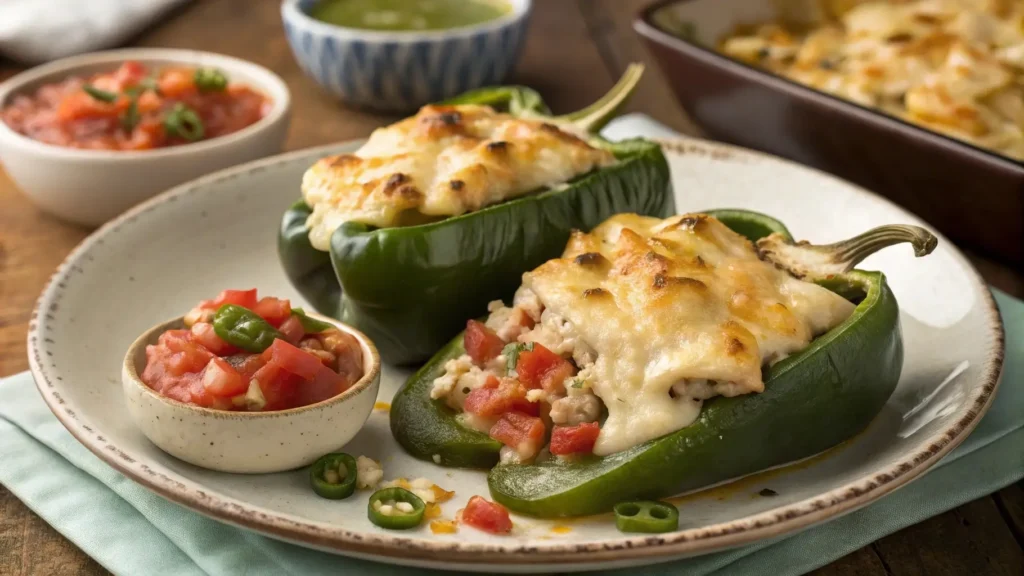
<point x="575" y="51"/>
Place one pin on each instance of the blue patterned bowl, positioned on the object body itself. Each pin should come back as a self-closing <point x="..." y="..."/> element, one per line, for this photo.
<point x="400" y="71"/>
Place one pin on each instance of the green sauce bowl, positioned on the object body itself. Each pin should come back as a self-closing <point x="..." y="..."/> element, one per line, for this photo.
<point x="401" y="70"/>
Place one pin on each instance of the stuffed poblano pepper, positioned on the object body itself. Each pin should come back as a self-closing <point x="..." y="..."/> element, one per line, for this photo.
<point x="440" y="213"/>
<point x="658" y="356"/>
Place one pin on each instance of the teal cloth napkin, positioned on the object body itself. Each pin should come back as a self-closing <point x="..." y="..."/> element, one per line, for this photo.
<point x="130" y="530"/>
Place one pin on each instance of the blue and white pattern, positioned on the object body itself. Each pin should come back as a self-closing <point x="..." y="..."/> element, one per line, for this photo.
<point x="402" y="71"/>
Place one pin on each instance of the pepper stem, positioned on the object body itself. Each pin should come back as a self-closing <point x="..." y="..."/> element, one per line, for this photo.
<point x="594" y="117"/>
<point x="803" y="260"/>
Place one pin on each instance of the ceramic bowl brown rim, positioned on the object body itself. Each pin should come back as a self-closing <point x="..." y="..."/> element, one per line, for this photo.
<point x="332" y="537"/>
<point x="644" y="25"/>
<point x="372" y="359"/>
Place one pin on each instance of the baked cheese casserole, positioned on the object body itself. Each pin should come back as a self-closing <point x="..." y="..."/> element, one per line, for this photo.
<point x="952" y="66"/>
<point x="442" y="162"/>
<point x="642" y="318"/>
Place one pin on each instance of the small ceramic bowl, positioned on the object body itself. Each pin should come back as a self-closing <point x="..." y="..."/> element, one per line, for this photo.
<point x="400" y="71"/>
<point x="92" y="186"/>
<point x="248" y="442"/>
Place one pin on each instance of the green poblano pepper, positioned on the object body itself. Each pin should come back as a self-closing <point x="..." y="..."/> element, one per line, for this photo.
<point x="812" y="401"/>
<point x="411" y="288"/>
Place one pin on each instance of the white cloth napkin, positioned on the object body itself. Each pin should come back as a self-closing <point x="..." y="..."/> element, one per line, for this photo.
<point x="35" y="31"/>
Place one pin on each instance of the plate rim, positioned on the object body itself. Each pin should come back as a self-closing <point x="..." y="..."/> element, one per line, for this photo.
<point x="770" y="523"/>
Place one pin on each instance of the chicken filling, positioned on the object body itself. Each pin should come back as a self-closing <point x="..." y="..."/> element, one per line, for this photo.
<point x="526" y="379"/>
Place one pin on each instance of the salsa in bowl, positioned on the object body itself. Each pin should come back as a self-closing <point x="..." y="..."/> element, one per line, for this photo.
<point x="237" y="352"/>
<point x="71" y="153"/>
<point x="136" y="107"/>
<point x="249" y="385"/>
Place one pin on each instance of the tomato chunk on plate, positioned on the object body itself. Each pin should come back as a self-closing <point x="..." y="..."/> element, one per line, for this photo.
<point x="487" y="516"/>
<point x="579" y="439"/>
<point x="482" y="344"/>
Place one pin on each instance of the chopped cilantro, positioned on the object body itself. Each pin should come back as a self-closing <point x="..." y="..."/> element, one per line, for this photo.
<point x="511" y="352"/>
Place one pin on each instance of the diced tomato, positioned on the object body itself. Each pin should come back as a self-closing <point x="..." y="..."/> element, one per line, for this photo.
<point x="186" y="388"/>
<point x="487" y="516"/>
<point x="80" y="107"/>
<point x="174" y="340"/>
<point x="496" y="397"/>
<point x="245" y="364"/>
<point x="326" y="384"/>
<point x="292" y="330"/>
<point x="542" y="368"/>
<point x="148" y="102"/>
<point x="274" y="310"/>
<point x="243" y="298"/>
<point x="481" y="343"/>
<point x="129" y="74"/>
<point x="220" y="379"/>
<point x="176" y="82"/>
<point x="185" y="355"/>
<point x="277" y="385"/>
<point x="294" y="360"/>
<point x="204" y="335"/>
<point x="520" y="431"/>
<point x="577" y="439"/>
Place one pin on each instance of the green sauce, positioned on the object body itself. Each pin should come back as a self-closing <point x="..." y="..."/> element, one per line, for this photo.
<point x="408" y="15"/>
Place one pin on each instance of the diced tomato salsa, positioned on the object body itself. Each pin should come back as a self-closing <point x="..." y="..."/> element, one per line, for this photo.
<point x="542" y="368"/>
<point x="578" y="439"/>
<point x="487" y="516"/>
<point x="497" y="397"/>
<point x="506" y="402"/>
<point x="196" y="366"/>
<point x="520" y="431"/>
<point x="481" y="343"/>
<point x="134" y="108"/>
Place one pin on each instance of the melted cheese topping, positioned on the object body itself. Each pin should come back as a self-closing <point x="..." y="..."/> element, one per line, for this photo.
<point x="953" y="66"/>
<point x="661" y="301"/>
<point x="444" y="161"/>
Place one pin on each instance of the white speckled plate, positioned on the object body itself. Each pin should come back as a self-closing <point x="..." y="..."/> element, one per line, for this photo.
<point x="220" y="231"/>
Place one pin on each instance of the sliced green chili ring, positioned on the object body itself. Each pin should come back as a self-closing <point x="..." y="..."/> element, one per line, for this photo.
<point x="210" y="80"/>
<point x="333" y="476"/>
<point x="101" y="95"/>
<point x="309" y="324"/>
<point x="244" y="329"/>
<point x="396" y="520"/>
<point x="183" y="122"/>
<point x="646" y="517"/>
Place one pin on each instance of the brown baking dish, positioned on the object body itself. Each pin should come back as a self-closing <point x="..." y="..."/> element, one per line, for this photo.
<point x="974" y="196"/>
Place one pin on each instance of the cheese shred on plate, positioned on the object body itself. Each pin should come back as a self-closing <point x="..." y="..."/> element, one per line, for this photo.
<point x="442" y="162"/>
